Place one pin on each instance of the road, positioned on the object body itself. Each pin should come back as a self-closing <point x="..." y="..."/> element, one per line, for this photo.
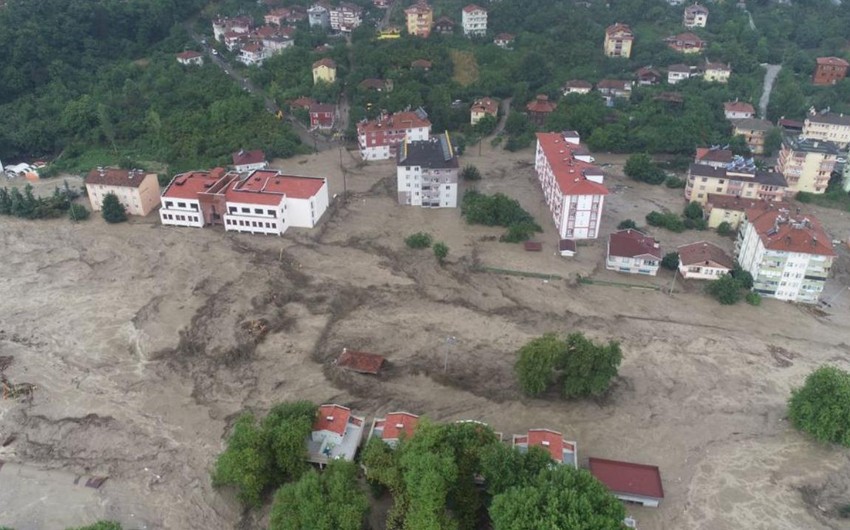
<point x="506" y="109"/>
<point x="771" y="71"/>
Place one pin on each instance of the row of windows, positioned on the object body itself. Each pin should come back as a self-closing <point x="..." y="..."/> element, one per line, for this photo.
<point x="170" y="204"/>
<point x="254" y="224"/>
<point x="172" y="217"/>
<point x="257" y="211"/>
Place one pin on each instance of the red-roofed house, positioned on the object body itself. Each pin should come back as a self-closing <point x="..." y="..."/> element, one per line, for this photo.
<point x="738" y="110"/>
<point x="638" y="483"/>
<point x="572" y="187"/>
<point x="685" y="43"/>
<point x="504" y="40"/>
<point x="540" y="108"/>
<point x="394" y="427"/>
<point x="322" y="116"/>
<point x="277" y="16"/>
<point x="190" y="57"/>
<point x="379" y="138"/>
<point x="252" y="53"/>
<point x="360" y="362"/>
<point x="789" y="255"/>
<point x="577" y="86"/>
<point x="324" y="70"/>
<point x="704" y="261"/>
<point x="483" y="107"/>
<point x="633" y="252"/>
<point x="336" y="435"/>
<point x="187" y="200"/>
<point x="137" y="190"/>
<point x="713" y="156"/>
<point x="249" y="160"/>
<point x="830" y="70"/>
<point x="553" y="442"/>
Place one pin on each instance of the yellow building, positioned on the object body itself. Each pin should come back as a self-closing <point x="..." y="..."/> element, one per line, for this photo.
<point x="324" y="70"/>
<point x="717" y="73"/>
<point x="420" y="18"/>
<point x="618" y="40"/>
<point x="738" y="179"/>
<point x="136" y="190"/>
<point x="807" y="164"/>
<point x="731" y="209"/>
<point x="754" y="132"/>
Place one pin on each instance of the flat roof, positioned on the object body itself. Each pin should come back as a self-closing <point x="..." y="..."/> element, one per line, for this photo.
<point x="189" y="185"/>
<point x="629" y="478"/>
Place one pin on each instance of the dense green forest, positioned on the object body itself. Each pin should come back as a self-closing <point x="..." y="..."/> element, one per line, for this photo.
<point x="97" y="82"/>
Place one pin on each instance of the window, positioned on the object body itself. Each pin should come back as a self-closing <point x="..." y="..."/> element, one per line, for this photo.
<point x="246" y="210"/>
<point x="258" y="211"/>
<point x="181" y="204"/>
<point x="194" y="206"/>
<point x="271" y="212"/>
<point x="169" y="204"/>
<point x="232" y="209"/>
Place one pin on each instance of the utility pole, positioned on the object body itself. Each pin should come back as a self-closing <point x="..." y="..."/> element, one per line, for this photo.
<point x="673" y="283"/>
<point x="450" y="341"/>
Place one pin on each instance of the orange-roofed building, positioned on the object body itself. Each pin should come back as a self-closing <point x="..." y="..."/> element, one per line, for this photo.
<point x="185" y="201"/>
<point x="553" y="442"/>
<point x="136" y="190"/>
<point x="336" y="435"/>
<point x="379" y="138"/>
<point x="394" y="427"/>
<point x="829" y="70"/>
<point x="788" y="253"/>
<point x="540" y="108"/>
<point x="572" y="185"/>
<point x="420" y="18"/>
<point x="481" y="108"/>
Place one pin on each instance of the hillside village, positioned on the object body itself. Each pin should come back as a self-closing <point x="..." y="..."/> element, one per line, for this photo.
<point x="676" y="169"/>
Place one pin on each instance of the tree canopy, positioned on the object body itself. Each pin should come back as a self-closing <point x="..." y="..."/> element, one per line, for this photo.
<point x="112" y="210"/>
<point x="821" y="407"/>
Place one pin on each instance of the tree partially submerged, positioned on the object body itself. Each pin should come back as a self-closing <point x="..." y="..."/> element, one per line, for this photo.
<point x="821" y="407"/>
<point x="112" y="209"/>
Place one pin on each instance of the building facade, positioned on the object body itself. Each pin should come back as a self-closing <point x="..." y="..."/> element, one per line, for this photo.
<point x="322" y="116"/>
<point x="324" y="71"/>
<point x="685" y="43"/>
<point x="136" y="190"/>
<point x="427" y="173"/>
<point x="807" y="164"/>
<point x="318" y="16"/>
<point x="633" y="252"/>
<point x="420" y="18"/>
<point x="738" y="110"/>
<point x="572" y="188"/>
<point x="190" y="58"/>
<point x="717" y="73"/>
<point x="481" y="108"/>
<point x="754" y="132"/>
<point x="703" y="261"/>
<point x="336" y="435"/>
<point x="696" y="16"/>
<point x="474" y="21"/>
<point x="789" y="255"/>
<point x="378" y="139"/>
<point x="731" y="209"/>
<point x="739" y="178"/>
<point x="829" y="70"/>
<point x="829" y="127"/>
<point x="618" y="41"/>
<point x="345" y="17"/>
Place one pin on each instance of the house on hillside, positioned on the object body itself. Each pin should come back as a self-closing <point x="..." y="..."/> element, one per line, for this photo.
<point x="704" y="261"/>
<point x="614" y="88"/>
<point x="420" y="18"/>
<point x="829" y="70"/>
<point x="637" y="483"/>
<point x="444" y="26"/>
<point x="539" y="109"/>
<point x="717" y="72"/>
<point x="633" y="252"/>
<point x="318" y="16"/>
<point x="190" y="57"/>
<point x="249" y="160"/>
<point x="560" y="450"/>
<point x="322" y="116"/>
<point x="618" y="41"/>
<point x="483" y="107"/>
<point x="135" y="189"/>
<point x="754" y="132"/>
<point x="577" y="86"/>
<point x="738" y="110"/>
<point x="685" y="43"/>
<point x="474" y="20"/>
<point x="679" y="72"/>
<point x="504" y="40"/>
<point x="336" y="435"/>
<point x="696" y="16"/>
<point x="345" y="17"/>
<point x="648" y="76"/>
<point x="324" y="70"/>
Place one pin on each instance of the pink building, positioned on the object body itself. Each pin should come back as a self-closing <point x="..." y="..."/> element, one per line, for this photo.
<point x="572" y="185"/>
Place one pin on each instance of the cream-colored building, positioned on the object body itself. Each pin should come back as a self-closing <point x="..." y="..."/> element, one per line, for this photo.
<point x="717" y="73"/>
<point x="703" y="261"/>
<point x="618" y="40"/>
<point x="136" y="190"/>
<point x="807" y="164"/>
<point x="324" y="70"/>
<point x="754" y="132"/>
<point x="481" y="108"/>
<point x="730" y="209"/>
<point x="828" y="127"/>
<point x="738" y="179"/>
<point x="420" y="18"/>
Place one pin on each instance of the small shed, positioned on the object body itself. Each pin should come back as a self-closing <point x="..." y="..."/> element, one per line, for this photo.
<point x="361" y="362"/>
<point x="567" y="248"/>
<point x="532" y="246"/>
<point x="629" y="482"/>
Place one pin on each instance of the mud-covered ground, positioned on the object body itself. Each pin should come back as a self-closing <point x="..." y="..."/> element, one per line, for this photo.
<point x="142" y="342"/>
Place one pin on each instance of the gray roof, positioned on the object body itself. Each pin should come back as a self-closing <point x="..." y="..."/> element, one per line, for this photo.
<point x="767" y="178"/>
<point x="436" y="153"/>
<point x="753" y="124"/>
<point x="811" y="145"/>
<point x="830" y="118"/>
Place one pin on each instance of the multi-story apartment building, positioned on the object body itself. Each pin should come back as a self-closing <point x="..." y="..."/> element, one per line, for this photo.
<point x="136" y="190"/>
<point x="739" y="178"/>
<point x="807" y="164"/>
<point x="731" y="209"/>
<point x="264" y="202"/>
<point x="696" y="16"/>
<point x="572" y="186"/>
<point x="319" y="17"/>
<point x="345" y="17"/>
<point x="789" y="255"/>
<point x="713" y="156"/>
<point x="427" y="172"/>
<point x="829" y="70"/>
<point x="378" y="139"/>
<point x="754" y="132"/>
<point x="828" y="126"/>
<point x="474" y="20"/>
<point x="618" y="40"/>
<point x="420" y="18"/>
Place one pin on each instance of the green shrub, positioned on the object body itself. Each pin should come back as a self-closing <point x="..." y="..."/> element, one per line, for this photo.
<point x="499" y="210"/>
<point x="725" y="290"/>
<point x="821" y="407"/>
<point x="470" y="172"/>
<point x="753" y="298"/>
<point x="724" y="229"/>
<point x="693" y="210"/>
<point x="625" y="224"/>
<point x="78" y="212"/>
<point x="112" y="209"/>
<point x="441" y="250"/>
<point x="674" y="182"/>
<point x="418" y="240"/>
<point x="519" y="232"/>
<point x="804" y="197"/>
<point x="668" y="220"/>
<point x="670" y="261"/>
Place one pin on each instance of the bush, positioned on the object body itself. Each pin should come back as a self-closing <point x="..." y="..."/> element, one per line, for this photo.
<point x="694" y="224"/>
<point x="470" y="172"/>
<point x="753" y="298"/>
<point x="667" y="220"/>
<point x="499" y="210"/>
<point x="112" y="209"/>
<point x="821" y="407"/>
<point x="78" y="212"/>
<point x="744" y="278"/>
<point x="418" y="240"/>
<point x="693" y="211"/>
<point x="670" y="261"/>
<point x="725" y="290"/>
<point x="626" y="224"/>
<point x="804" y="197"/>
<point x="674" y="182"/>
<point x="519" y="232"/>
<point x="441" y="250"/>
<point x="724" y="229"/>
<point x="641" y="167"/>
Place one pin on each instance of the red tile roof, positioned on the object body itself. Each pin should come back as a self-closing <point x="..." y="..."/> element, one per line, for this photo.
<point x="779" y="230"/>
<point x="421" y="63"/>
<point x="551" y="441"/>
<point x="364" y="363"/>
<point x="628" y="478"/>
<point x="738" y="106"/>
<point x="399" y="422"/>
<point x="472" y="7"/>
<point x="242" y="157"/>
<point x="319" y="108"/>
<point x="128" y="178"/>
<point x="487" y="105"/>
<point x="617" y="28"/>
<point x="703" y="252"/>
<point x="569" y="171"/>
<point x="541" y="104"/>
<point x="578" y="83"/>
<point x="271" y="181"/>
<point x="329" y="63"/>
<point x="332" y="418"/>
<point x="397" y="121"/>
<point x="614" y="84"/>
<point x="188" y="54"/>
<point x="303" y="102"/>
<point x="188" y="185"/>
<point x="632" y="243"/>
<point x="714" y="155"/>
<point x="832" y="61"/>
<point x="504" y="37"/>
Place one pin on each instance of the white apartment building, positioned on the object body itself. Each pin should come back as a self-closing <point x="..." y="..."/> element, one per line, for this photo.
<point x="474" y="20"/>
<point x="789" y="255"/>
<point x="427" y="173"/>
<point x="828" y="126"/>
<point x="378" y="139"/>
<point x="136" y="190"/>
<point x="182" y="199"/>
<point x="346" y="17"/>
<point x="572" y="187"/>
